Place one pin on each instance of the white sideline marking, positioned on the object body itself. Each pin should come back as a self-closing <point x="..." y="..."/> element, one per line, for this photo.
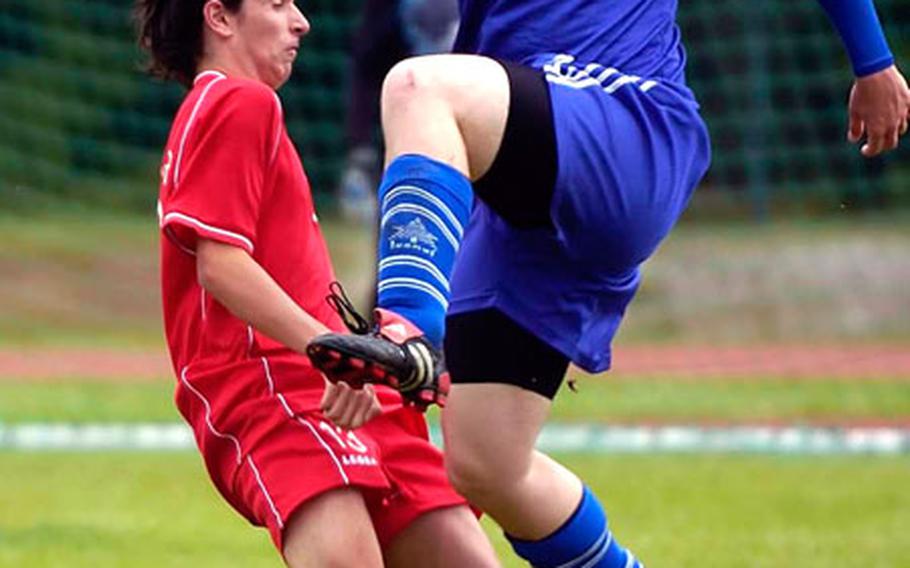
<point x="581" y="438"/>
<point x="93" y="437"/>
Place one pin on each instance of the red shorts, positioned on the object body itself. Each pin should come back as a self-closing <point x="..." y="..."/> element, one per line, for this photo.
<point x="269" y="449"/>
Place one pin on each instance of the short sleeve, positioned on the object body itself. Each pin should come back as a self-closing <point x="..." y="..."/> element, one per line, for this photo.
<point x="221" y="167"/>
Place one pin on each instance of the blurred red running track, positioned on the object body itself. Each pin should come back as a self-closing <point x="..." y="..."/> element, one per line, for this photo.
<point x="791" y="361"/>
<point x="676" y="362"/>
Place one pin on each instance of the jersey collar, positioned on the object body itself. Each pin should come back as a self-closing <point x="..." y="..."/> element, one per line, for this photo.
<point x="208" y="74"/>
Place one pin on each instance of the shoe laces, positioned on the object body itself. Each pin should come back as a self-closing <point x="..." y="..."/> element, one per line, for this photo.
<point x="353" y="320"/>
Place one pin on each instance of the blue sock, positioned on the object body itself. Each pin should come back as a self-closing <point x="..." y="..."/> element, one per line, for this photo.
<point x="583" y="541"/>
<point x="424" y="206"/>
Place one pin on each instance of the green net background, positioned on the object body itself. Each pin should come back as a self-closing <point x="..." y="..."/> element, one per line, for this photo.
<point x="79" y="121"/>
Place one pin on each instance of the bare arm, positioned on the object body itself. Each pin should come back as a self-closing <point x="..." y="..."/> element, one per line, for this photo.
<point x="239" y="283"/>
<point x="231" y="275"/>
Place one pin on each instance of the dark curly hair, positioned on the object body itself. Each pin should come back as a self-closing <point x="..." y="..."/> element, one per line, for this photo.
<point x="170" y="31"/>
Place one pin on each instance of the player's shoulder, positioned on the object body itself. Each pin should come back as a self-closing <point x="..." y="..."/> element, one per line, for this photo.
<point x="241" y="106"/>
<point x="245" y="93"/>
<point x="220" y="96"/>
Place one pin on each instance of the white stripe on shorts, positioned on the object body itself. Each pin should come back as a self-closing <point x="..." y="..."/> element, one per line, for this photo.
<point x="208" y="416"/>
<point x="284" y="403"/>
<point x="265" y="491"/>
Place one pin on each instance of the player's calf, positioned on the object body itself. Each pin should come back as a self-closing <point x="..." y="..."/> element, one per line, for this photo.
<point x="584" y="540"/>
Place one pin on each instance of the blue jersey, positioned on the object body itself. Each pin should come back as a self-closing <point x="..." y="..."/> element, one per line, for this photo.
<point x="638" y="37"/>
<point x="630" y="145"/>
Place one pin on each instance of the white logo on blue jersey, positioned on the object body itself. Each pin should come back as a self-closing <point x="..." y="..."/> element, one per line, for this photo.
<point x="561" y="72"/>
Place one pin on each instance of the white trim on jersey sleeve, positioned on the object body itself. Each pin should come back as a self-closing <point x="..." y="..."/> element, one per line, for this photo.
<point x="205" y="229"/>
<point x="189" y="124"/>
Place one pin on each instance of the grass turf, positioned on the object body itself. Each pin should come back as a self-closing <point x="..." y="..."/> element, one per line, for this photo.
<point x="600" y="399"/>
<point x="143" y="510"/>
<point x="91" y="278"/>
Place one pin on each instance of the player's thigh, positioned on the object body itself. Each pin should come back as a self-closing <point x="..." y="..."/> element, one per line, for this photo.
<point x="491" y="428"/>
<point x="332" y="530"/>
<point x="474" y="89"/>
<point x="443" y="538"/>
<point x="503" y="381"/>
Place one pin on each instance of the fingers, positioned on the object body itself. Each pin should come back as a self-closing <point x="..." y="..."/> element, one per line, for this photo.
<point x="350" y="408"/>
<point x="881" y="141"/>
<point x="373" y="408"/>
<point x="339" y="397"/>
<point x="329" y="395"/>
<point x="872" y="147"/>
<point x="352" y="414"/>
<point x="362" y="410"/>
<point x="855" y="129"/>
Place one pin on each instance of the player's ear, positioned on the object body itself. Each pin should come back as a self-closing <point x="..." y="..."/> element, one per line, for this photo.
<point x="217" y="18"/>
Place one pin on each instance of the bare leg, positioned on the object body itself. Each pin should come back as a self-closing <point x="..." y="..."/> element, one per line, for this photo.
<point x="452" y="108"/>
<point x="445" y="538"/>
<point x="332" y="531"/>
<point x="490" y="430"/>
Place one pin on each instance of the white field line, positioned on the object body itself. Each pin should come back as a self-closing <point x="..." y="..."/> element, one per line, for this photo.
<point x="584" y="438"/>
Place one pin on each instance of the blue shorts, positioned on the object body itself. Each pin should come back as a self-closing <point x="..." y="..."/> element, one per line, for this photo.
<point x="630" y="152"/>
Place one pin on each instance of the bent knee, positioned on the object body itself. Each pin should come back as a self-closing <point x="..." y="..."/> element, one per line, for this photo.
<point x="401" y="80"/>
<point x="465" y="476"/>
<point x="476" y="476"/>
<point x="409" y="78"/>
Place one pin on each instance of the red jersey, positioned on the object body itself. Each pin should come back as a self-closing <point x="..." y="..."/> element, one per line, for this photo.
<point x="231" y="174"/>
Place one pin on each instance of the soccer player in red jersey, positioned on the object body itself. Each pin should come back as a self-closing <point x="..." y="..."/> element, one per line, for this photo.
<point x="244" y="274"/>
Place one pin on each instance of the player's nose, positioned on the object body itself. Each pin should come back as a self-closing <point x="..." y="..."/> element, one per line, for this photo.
<point x="300" y="25"/>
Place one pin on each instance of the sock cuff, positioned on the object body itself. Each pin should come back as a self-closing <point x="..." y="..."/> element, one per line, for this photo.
<point x="419" y="167"/>
<point x="581" y="530"/>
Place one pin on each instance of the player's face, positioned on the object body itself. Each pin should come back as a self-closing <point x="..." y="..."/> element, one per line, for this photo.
<point x="267" y="36"/>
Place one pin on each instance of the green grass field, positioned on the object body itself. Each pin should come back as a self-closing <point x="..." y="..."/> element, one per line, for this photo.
<point x="599" y="399"/>
<point x="90" y="279"/>
<point x="144" y="510"/>
<point x="158" y="509"/>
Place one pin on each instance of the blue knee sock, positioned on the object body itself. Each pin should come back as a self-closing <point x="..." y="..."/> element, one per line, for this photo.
<point x="583" y="541"/>
<point x="424" y="206"/>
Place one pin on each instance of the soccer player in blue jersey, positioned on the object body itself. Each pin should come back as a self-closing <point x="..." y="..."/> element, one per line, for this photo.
<point x="553" y="159"/>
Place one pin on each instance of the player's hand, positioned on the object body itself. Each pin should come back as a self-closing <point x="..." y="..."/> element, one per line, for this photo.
<point x="879" y="108"/>
<point x="349" y="407"/>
